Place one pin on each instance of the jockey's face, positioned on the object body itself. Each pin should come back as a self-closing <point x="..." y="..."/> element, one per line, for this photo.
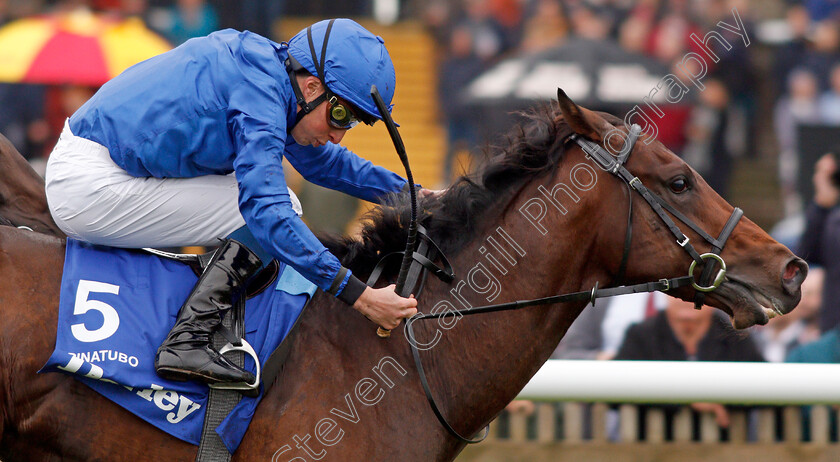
<point x="313" y="129"/>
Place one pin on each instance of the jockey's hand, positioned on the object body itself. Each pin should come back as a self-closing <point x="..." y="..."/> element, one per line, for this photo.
<point x="384" y="307"/>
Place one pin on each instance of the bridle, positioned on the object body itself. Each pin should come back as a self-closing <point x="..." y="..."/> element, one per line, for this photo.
<point x="614" y="165"/>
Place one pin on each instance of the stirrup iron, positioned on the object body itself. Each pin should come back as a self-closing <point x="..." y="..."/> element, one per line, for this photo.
<point x="240" y="386"/>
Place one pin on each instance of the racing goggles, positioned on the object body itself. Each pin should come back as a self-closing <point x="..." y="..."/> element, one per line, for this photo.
<point x="340" y="115"/>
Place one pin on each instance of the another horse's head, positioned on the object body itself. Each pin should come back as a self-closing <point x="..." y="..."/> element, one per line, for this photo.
<point x="763" y="277"/>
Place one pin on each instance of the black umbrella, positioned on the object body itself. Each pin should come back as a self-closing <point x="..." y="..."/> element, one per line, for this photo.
<point x="594" y="73"/>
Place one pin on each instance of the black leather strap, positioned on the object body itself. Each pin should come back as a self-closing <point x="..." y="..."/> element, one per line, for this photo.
<point x="628" y="239"/>
<point x="682" y="239"/>
<point x="292" y="66"/>
<point x="588" y="295"/>
<point x="616" y="167"/>
<point x="714" y="242"/>
<point x="381" y="265"/>
<point x="445" y="274"/>
<point x="221" y="402"/>
<point x="662" y="285"/>
<point x="428" y="391"/>
<point x="610" y="164"/>
<point x="717" y="248"/>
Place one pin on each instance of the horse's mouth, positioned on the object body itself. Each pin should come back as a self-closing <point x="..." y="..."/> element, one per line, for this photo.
<point x="747" y="305"/>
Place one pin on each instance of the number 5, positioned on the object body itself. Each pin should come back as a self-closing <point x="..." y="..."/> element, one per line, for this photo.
<point x="83" y="305"/>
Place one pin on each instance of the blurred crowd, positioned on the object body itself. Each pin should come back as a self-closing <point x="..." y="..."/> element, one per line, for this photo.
<point x="807" y="73"/>
<point x="716" y="125"/>
<point x="708" y="129"/>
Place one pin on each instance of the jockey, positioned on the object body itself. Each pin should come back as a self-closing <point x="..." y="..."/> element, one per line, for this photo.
<point x="187" y="147"/>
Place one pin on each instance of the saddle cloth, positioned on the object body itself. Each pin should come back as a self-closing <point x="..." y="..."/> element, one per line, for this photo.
<point x="118" y="305"/>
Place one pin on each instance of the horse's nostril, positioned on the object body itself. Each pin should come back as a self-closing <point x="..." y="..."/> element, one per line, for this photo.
<point x="793" y="275"/>
<point x="791" y="271"/>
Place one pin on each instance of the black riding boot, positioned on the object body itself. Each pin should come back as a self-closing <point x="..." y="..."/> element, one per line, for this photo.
<point x="187" y="353"/>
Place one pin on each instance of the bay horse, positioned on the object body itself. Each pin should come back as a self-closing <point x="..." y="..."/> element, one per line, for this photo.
<point x="540" y="219"/>
<point x="22" y="198"/>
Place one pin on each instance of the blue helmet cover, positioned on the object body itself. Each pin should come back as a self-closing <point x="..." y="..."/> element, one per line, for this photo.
<point x="356" y="59"/>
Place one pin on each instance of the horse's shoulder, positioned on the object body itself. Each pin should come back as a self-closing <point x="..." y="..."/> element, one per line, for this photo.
<point x="11" y="236"/>
<point x="20" y="248"/>
<point x="333" y="334"/>
<point x="25" y="253"/>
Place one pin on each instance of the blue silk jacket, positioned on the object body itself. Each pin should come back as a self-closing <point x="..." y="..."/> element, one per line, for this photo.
<point x="220" y="104"/>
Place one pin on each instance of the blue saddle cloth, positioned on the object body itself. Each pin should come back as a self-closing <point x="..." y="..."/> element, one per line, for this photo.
<point x="118" y="305"/>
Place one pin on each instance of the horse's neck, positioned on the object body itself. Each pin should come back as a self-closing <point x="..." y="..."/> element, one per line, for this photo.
<point x="482" y="361"/>
<point x="478" y="364"/>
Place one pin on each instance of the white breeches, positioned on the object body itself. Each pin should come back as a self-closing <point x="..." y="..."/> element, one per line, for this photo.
<point x="91" y="198"/>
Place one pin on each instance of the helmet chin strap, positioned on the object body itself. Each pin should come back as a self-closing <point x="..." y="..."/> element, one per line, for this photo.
<point x="292" y="66"/>
<point x="305" y="107"/>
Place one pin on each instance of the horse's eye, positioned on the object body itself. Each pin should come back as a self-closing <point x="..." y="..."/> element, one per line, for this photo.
<point x="679" y="185"/>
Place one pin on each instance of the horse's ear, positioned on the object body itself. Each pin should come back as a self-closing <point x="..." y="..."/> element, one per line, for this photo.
<point x="583" y="121"/>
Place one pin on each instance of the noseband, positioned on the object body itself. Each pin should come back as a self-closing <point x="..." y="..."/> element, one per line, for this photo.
<point x="614" y="165"/>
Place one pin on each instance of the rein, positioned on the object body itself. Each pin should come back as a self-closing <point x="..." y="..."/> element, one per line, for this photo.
<point x="615" y="166"/>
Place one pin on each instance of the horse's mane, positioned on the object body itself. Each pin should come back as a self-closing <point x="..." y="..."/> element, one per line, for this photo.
<point x="533" y="148"/>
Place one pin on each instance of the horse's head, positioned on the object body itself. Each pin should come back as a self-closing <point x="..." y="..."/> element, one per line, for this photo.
<point x="763" y="277"/>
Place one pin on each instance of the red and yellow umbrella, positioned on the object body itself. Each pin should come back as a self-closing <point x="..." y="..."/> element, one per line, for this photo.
<point x="78" y="47"/>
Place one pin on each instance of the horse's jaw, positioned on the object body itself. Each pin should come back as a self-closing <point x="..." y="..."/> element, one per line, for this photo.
<point x="748" y="305"/>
